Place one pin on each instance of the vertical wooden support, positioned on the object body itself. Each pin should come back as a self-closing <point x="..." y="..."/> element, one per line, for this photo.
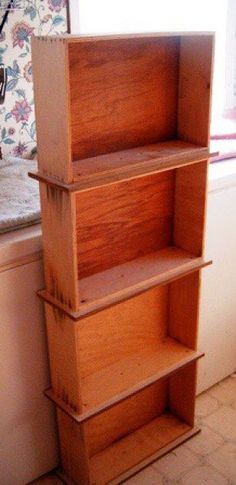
<point x="190" y="207"/>
<point x="123" y="362"/>
<point x="51" y="92"/>
<point x="64" y="357"/>
<point x="182" y="393"/>
<point x="195" y="78"/>
<point x="183" y="309"/>
<point x="74" y="453"/>
<point x="59" y="242"/>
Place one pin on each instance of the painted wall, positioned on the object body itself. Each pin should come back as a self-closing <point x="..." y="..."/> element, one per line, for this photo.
<point x="27" y="420"/>
<point x="217" y="329"/>
<point x="17" y="118"/>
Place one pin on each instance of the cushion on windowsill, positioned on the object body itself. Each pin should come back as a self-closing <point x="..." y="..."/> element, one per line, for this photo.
<point x="19" y="194"/>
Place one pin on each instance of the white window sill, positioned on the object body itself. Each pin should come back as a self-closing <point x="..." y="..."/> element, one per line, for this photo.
<point x="222" y="175"/>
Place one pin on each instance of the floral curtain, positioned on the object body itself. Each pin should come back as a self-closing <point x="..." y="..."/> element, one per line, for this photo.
<point x="17" y="118"/>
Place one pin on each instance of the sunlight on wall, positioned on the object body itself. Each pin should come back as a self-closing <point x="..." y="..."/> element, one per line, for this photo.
<point x="113" y="16"/>
<point x="150" y="15"/>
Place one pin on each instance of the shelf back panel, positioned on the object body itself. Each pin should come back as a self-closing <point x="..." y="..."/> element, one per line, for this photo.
<point x="125" y="417"/>
<point x="122" y="331"/>
<point x="123" y="93"/>
<point x="120" y="222"/>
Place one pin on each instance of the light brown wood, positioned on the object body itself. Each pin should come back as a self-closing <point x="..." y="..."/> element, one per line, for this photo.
<point x="106" y="353"/>
<point x="51" y="93"/>
<point x="195" y="79"/>
<point x="144" y="443"/>
<point x="125" y="95"/>
<point x="80" y="38"/>
<point x="159" y="156"/>
<point x="184" y="309"/>
<point x="73" y="449"/>
<point x="59" y="242"/>
<point x="122" y="331"/>
<point x="64" y="358"/>
<point x="121" y="222"/>
<point x="190" y="207"/>
<point x="124" y="418"/>
<point x="182" y="393"/>
<point x="155" y="456"/>
<point x="187" y="357"/>
<point x="161" y="452"/>
<point x="123" y="154"/>
<point x="134" y="373"/>
<point x="129" y="279"/>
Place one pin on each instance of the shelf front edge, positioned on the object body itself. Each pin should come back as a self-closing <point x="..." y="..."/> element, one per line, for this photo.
<point x="125" y="173"/>
<point x="85" y="416"/>
<point x="161" y="452"/>
<point x="130" y="292"/>
<point x="144" y="463"/>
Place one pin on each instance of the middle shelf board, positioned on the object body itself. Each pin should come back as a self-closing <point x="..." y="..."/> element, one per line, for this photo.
<point x="127" y="164"/>
<point x="123" y="281"/>
<point x="127" y="377"/>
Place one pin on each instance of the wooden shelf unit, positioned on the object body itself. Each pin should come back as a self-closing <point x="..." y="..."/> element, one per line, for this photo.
<point x="131" y="434"/>
<point x="123" y="154"/>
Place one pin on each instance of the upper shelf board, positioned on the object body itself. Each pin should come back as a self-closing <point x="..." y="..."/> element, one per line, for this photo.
<point x="71" y="38"/>
<point x="127" y="164"/>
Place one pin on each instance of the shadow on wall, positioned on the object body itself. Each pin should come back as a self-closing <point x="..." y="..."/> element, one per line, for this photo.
<point x="17" y="118"/>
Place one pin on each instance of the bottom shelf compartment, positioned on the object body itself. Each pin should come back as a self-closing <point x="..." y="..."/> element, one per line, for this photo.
<point x="143" y="445"/>
<point x="110" y="447"/>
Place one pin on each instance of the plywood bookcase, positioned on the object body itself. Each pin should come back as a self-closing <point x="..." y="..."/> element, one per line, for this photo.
<point x="123" y="136"/>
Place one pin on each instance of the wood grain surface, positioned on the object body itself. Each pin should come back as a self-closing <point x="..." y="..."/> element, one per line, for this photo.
<point x="123" y="93"/>
<point x="121" y="222"/>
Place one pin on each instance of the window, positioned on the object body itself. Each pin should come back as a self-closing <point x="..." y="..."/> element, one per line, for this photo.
<point x="117" y="16"/>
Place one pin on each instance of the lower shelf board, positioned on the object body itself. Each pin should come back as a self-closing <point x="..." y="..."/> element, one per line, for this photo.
<point x="134" y="448"/>
<point x="137" y="450"/>
<point x="127" y="377"/>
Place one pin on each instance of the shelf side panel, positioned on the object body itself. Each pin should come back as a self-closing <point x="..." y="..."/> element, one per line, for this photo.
<point x="59" y="242"/>
<point x="184" y="309"/>
<point x="123" y="93"/>
<point x="127" y="416"/>
<point x="119" y="223"/>
<point x="50" y="73"/>
<point x="195" y="78"/>
<point x="190" y="207"/>
<point x="121" y="331"/>
<point x="182" y="393"/>
<point x="73" y="449"/>
<point x="64" y="357"/>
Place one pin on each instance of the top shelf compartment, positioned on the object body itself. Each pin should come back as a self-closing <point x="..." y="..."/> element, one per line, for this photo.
<point x="103" y="98"/>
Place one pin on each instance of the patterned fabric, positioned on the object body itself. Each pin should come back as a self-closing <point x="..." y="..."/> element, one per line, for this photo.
<point x="17" y="118"/>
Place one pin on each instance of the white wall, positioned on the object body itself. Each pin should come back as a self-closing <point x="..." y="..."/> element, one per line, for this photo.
<point x="27" y="421"/>
<point x="120" y="16"/>
<point x="217" y="329"/>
